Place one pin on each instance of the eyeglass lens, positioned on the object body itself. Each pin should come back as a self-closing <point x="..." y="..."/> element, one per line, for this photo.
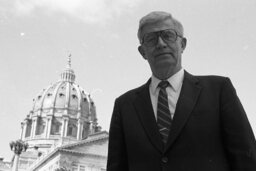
<point x="151" y="39"/>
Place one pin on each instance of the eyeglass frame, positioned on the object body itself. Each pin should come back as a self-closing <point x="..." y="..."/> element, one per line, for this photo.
<point x="159" y="33"/>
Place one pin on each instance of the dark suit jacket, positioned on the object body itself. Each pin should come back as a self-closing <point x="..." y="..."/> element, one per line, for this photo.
<point x="210" y="131"/>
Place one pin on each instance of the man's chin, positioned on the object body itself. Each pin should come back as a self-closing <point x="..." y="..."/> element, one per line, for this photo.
<point x="164" y="72"/>
<point x="165" y="63"/>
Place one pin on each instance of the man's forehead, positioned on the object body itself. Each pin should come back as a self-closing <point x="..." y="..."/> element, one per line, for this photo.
<point x="157" y="26"/>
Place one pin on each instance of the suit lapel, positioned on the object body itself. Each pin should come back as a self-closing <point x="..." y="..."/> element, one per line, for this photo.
<point x="186" y="102"/>
<point x="145" y="112"/>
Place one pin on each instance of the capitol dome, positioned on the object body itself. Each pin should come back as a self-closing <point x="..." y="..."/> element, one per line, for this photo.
<point x="62" y="112"/>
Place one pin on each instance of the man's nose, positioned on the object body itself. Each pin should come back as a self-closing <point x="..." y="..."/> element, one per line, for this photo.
<point x="160" y="43"/>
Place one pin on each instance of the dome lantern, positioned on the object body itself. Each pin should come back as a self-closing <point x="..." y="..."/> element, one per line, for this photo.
<point x="68" y="74"/>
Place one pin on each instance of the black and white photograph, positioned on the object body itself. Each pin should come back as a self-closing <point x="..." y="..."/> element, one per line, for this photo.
<point x="127" y="85"/>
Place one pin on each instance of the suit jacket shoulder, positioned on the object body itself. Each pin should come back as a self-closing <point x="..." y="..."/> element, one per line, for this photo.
<point x="213" y="82"/>
<point x="130" y="95"/>
<point x="216" y="79"/>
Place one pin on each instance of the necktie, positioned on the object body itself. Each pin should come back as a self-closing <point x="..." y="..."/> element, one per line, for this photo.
<point x="163" y="113"/>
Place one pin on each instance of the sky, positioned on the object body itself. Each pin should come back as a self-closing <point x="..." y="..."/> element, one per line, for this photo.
<point x="36" y="37"/>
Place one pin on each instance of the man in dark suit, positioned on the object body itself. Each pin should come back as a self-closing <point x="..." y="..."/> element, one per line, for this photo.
<point x="177" y="121"/>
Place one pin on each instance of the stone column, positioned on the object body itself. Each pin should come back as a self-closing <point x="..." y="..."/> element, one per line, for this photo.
<point x="24" y="130"/>
<point x="79" y="129"/>
<point x="34" y="126"/>
<point x="65" y="126"/>
<point x="15" y="162"/>
<point x="49" y="126"/>
<point x="46" y="128"/>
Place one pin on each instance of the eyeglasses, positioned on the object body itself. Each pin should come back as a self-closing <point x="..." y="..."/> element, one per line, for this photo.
<point x="151" y="39"/>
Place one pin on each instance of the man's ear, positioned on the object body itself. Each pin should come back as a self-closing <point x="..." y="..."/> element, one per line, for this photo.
<point x="142" y="52"/>
<point x="183" y="43"/>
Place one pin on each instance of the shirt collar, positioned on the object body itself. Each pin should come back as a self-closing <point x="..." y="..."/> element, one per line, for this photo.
<point x="175" y="81"/>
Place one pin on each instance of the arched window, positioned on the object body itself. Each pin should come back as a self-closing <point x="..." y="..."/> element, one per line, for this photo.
<point x="40" y="126"/>
<point x="28" y="129"/>
<point x="56" y="126"/>
<point x="86" y="129"/>
<point x="72" y="128"/>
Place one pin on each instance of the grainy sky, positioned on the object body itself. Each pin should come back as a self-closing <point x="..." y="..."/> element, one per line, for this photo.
<point x="36" y="37"/>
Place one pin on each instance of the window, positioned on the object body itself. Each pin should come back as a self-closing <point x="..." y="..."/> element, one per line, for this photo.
<point x="23" y="163"/>
<point x="72" y="128"/>
<point x="56" y="126"/>
<point x="28" y="130"/>
<point x="85" y="130"/>
<point x="74" y="167"/>
<point x="40" y="126"/>
<point x="61" y="95"/>
<point x="81" y="168"/>
<point x="74" y="96"/>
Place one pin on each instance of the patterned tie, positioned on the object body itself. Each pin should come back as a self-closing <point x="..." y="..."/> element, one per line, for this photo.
<point x="164" y="119"/>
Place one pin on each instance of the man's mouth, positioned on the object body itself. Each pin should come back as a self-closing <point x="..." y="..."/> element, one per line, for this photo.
<point x="160" y="54"/>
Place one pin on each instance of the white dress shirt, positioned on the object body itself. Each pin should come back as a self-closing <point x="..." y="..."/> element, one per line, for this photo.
<point x="173" y="91"/>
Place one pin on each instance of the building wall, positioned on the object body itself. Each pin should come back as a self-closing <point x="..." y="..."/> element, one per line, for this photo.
<point x="76" y="162"/>
<point x="50" y="165"/>
<point x="73" y="162"/>
<point x="98" y="148"/>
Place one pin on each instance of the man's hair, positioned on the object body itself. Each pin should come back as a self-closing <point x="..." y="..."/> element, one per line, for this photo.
<point x="156" y="16"/>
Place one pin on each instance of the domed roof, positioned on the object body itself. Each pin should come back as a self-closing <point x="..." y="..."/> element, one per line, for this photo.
<point x="61" y="113"/>
<point x="64" y="95"/>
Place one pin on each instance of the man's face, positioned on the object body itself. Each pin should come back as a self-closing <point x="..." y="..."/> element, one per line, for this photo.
<point x="164" y="57"/>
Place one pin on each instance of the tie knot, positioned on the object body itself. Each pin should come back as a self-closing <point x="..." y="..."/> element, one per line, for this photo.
<point x="163" y="84"/>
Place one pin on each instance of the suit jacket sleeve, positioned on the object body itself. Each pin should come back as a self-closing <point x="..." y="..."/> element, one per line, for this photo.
<point x="237" y="133"/>
<point x="117" y="156"/>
